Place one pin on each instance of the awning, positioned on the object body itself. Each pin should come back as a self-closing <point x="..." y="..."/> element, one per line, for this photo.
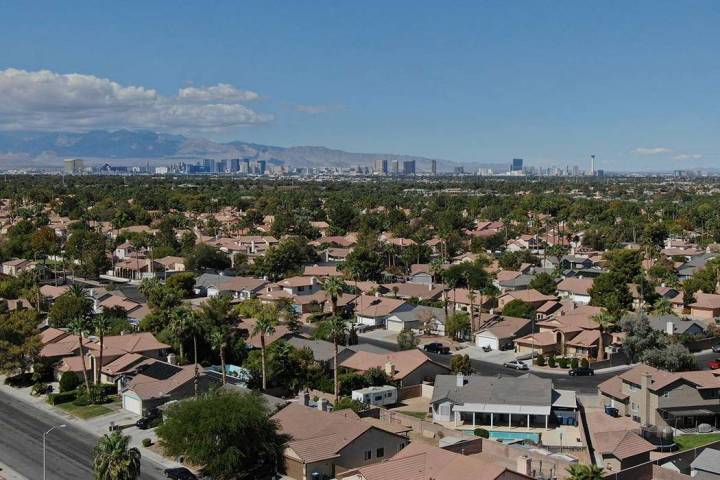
<point x="692" y="412"/>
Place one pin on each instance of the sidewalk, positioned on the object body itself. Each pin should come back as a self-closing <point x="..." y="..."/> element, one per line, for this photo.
<point x="96" y="426"/>
<point x="7" y="474"/>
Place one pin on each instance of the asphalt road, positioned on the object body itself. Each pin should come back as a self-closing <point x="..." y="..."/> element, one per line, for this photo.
<point x="69" y="449"/>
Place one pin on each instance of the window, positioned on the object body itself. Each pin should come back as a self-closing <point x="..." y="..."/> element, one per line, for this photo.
<point x="301" y="289"/>
<point x="632" y="387"/>
<point x="378" y="398"/>
<point x="380" y="452"/>
<point x="367" y="455"/>
<point x="666" y="394"/>
<point x="634" y="407"/>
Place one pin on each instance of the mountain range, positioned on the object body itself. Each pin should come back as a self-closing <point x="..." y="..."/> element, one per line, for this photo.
<point x="129" y="147"/>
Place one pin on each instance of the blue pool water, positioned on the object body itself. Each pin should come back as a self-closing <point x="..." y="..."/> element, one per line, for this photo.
<point x="535" y="437"/>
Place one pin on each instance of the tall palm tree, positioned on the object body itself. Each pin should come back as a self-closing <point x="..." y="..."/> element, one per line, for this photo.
<point x="101" y="324"/>
<point x="438" y="272"/>
<point x="113" y="460"/>
<point x="334" y="288"/>
<point x="585" y="472"/>
<point x="605" y="322"/>
<point x="186" y="324"/>
<point x="662" y="306"/>
<point x="84" y="301"/>
<point x="337" y="330"/>
<point x="79" y="326"/>
<point x="218" y="342"/>
<point x="267" y="319"/>
<point x="218" y="311"/>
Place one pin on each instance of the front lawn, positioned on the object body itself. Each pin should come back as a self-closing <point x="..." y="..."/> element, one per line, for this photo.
<point x="686" y="442"/>
<point x="420" y="415"/>
<point x="85" y="412"/>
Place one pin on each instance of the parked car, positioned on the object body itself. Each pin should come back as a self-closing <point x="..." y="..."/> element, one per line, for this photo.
<point x="181" y="473"/>
<point x="436" y="347"/>
<point x="487" y="348"/>
<point x="716" y="348"/>
<point x="152" y="419"/>
<point x="612" y="411"/>
<point x="516" y="364"/>
<point x="360" y="327"/>
<point x="509" y="345"/>
<point x="581" y="372"/>
<point x="714" y="364"/>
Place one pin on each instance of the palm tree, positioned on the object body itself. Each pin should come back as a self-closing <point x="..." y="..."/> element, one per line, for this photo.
<point x="267" y="318"/>
<point x="662" y="306"/>
<point x="186" y="324"/>
<point x="334" y="288"/>
<point x="102" y="324"/>
<point x="218" y="311"/>
<point x="113" y="460"/>
<point x="605" y="322"/>
<point x="78" y="327"/>
<point x="337" y="330"/>
<point x="218" y="342"/>
<point x="585" y="472"/>
<point x="80" y="295"/>
<point x="438" y="271"/>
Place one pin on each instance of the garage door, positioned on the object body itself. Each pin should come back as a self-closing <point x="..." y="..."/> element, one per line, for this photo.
<point x="483" y="341"/>
<point x="394" y="326"/>
<point x="132" y="404"/>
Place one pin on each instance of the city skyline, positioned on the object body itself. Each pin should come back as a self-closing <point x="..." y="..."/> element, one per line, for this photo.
<point x="474" y="83"/>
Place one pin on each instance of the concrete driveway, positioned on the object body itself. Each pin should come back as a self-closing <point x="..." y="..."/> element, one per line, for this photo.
<point x="497" y="357"/>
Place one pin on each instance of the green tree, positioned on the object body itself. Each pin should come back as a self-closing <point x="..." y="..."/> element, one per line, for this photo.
<point x="662" y="306"/>
<point x="72" y="304"/>
<point x="219" y="341"/>
<point x="585" y="472"/>
<point x="337" y="330"/>
<point x="214" y="429"/>
<point x="518" y="308"/>
<point x="673" y="357"/>
<point x="101" y="324"/>
<point x="345" y="403"/>
<point x="79" y="326"/>
<point x="186" y="324"/>
<point x="407" y="340"/>
<point x="457" y="325"/>
<point x="19" y="341"/>
<point x="205" y="256"/>
<point x="610" y="290"/>
<point x="114" y="460"/>
<point x="183" y="281"/>
<point x="265" y="323"/>
<point x="334" y="288"/>
<point x="605" y="322"/>
<point x="461" y="364"/>
<point x="544" y="283"/>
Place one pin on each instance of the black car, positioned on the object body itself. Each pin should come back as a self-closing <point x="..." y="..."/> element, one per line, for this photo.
<point x="152" y="419"/>
<point x="436" y="347"/>
<point x="716" y="348"/>
<point x="181" y="473"/>
<point x="581" y="372"/>
<point x="507" y="346"/>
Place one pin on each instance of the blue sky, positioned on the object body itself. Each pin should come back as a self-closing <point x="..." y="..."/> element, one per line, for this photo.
<point x="637" y="83"/>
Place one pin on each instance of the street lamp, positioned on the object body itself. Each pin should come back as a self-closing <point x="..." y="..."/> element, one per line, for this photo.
<point x="44" y="437"/>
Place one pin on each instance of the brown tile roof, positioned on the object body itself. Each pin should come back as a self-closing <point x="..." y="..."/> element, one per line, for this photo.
<point x="147" y="387"/>
<point x="254" y="340"/>
<point x="530" y="296"/>
<point x="706" y="300"/>
<point x="542" y="339"/>
<point x="123" y="363"/>
<point x="369" y="306"/>
<point x="417" y="290"/>
<point x="321" y="271"/>
<point x="576" y="285"/>
<point x="133" y="342"/>
<point x="621" y="444"/>
<point x="504" y="327"/>
<point x="404" y="362"/>
<point x="613" y="387"/>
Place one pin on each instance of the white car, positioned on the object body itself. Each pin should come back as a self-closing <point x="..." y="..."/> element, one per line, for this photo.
<point x="517" y="365"/>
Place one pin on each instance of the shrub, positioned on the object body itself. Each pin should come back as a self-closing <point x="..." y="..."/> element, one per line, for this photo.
<point x="574" y="363"/>
<point x="146" y="442"/>
<point x="551" y="362"/>
<point x="19" y="381"/>
<point x="69" y="382"/>
<point x="584" y="363"/>
<point x="481" y="432"/>
<point x="540" y="360"/>
<point x="562" y="362"/>
<point x="39" y="389"/>
<point x="82" y="400"/>
<point x="62" y="397"/>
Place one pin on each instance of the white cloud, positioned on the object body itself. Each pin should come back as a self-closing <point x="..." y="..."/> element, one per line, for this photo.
<point x="688" y="156"/>
<point x="316" y="109"/>
<point x="651" y="150"/>
<point x="222" y="92"/>
<point x="45" y="100"/>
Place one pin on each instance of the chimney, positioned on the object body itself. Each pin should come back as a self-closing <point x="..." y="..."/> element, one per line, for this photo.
<point x="669" y="327"/>
<point x="459" y="380"/>
<point x="524" y="465"/>
<point x="172" y="359"/>
<point x="390" y="369"/>
<point x="645" y="382"/>
<point x="306" y="398"/>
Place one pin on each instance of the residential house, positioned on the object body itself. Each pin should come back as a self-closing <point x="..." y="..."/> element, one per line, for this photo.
<point x="575" y="289"/>
<point x="409" y="290"/>
<point x="374" y="311"/>
<point x="299" y="285"/>
<point x="324" y="444"/>
<point x="655" y="397"/>
<point x="323" y="351"/>
<point x="706" y="306"/>
<point x="421" y="461"/>
<point x="241" y="288"/>
<point x="17" y="266"/>
<point x="321" y="271"/>
<point x="531" y="297"/>
<point x="408" y="367"/>
<point x="499" y="331"/>
<point x="706" y="466"/>
<point x="616" y="442"/>
<point x="426" y="319"/>
<point x="527" y="401"/>
<point x="420" y="274"/>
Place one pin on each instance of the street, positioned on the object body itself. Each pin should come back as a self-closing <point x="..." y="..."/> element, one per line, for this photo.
<point x="69" y="449"/>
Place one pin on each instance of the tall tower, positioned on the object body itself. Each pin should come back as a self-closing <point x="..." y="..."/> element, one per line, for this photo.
<point x="592" y="165"/>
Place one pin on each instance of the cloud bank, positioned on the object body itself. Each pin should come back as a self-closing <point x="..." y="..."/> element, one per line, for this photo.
<point x="45" y="100"/>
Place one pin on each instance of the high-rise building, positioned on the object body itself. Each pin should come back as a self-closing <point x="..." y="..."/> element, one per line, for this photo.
<point x="395" y="167"/>
<point x="261" y="166"/>
<point x="408" y="167"/>
<point x="222" y="166"/>
<point x="381" y="166"/>
<point x="433" y="167"/>
<point x="234" y="165"/>
<point x="209" y="165"/>
<point x="74" y="166"/>
<point x="517" y="165"/>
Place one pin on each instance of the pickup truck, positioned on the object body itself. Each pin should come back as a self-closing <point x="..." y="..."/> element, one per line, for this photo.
<point x="436" y="347"/>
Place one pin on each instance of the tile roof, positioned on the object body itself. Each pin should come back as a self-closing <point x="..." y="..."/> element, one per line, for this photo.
<point x="404" y="362"/>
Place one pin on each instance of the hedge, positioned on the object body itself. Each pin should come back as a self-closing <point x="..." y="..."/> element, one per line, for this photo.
<point x="63" y="397"/>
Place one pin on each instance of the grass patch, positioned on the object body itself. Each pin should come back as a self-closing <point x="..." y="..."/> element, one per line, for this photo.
<point x="686" y="442"/>
<point x="88" y="411"/>
<point x="420" y="415"/>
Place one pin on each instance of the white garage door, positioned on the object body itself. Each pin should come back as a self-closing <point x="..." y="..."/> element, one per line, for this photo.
<point x="394" y="326"/>
<point x="483" y="341"/>
<point x="132" y="404"/>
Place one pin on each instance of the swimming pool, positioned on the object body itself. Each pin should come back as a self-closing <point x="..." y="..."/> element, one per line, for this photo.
<point x="500" y="435"/>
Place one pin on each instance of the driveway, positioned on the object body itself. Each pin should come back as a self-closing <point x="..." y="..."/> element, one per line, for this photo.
<point x="497" y="357"/>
